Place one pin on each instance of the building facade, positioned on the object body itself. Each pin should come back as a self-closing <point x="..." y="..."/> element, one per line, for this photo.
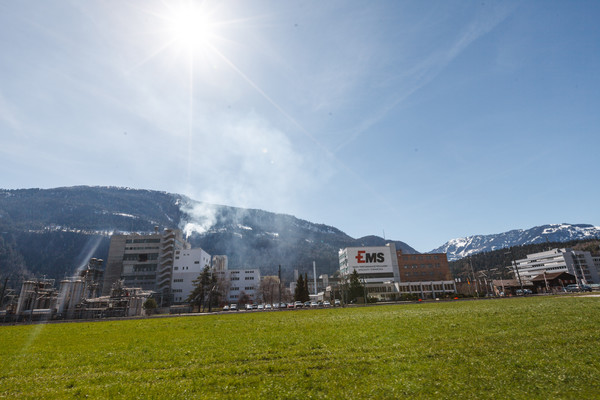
<point x="187" y="267"/>
<point x="377" y="268"/>
<point x="243" y="282"/>
<point x="578" y="263"/>
<point x="423" y="267"/>
<point x="143" y="261"/>
<point x="389" y="274"/>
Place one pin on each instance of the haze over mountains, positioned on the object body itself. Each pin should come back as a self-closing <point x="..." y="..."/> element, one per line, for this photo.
<point x="53" y="231"/>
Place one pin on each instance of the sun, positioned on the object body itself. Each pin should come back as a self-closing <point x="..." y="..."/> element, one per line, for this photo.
<point x="191" y="27"/>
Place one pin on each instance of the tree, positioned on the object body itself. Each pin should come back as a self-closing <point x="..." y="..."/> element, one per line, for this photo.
<point x="356" y="289"/>
<point x="203" y="287"/>
<point x="150" y="305"/>
<point x="269" y="289"/>
<point x="298" y="295"/>
<point x="301" y="291"/>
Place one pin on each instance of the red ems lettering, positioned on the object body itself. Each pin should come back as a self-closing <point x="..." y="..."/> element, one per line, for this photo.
<point x="364" y="257"/>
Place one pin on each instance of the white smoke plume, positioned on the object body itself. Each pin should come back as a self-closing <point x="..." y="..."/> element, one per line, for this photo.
<point x="200" y="217"/>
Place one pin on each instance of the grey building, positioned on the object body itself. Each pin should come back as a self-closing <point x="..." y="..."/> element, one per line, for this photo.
<point x="143" y="261"/>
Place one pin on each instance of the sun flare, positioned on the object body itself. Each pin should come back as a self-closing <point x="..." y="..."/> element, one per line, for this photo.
<point x="191" y="27"/>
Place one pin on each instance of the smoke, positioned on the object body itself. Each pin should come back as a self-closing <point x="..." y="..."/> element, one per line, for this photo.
<point x="201" y="217"/>
<point x="244" y="161"/>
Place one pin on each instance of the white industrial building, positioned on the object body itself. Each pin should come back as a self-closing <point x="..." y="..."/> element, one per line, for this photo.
<point x="377" y="268"/>
<point x="243" y="281"/>
<point x="581" y="264"/>
<point x="187" y="267"/>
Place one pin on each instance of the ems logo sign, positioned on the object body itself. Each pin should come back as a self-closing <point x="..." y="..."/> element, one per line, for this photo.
<point x="362" y="257"/>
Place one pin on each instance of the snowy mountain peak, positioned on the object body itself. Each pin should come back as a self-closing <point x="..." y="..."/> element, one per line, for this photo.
<point x="464" y="247"/>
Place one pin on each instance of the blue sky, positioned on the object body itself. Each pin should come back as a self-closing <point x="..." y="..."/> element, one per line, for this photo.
<point x="426" y="120"/>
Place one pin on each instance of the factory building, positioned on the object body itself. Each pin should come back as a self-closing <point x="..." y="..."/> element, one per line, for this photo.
<point x="426" y="275"/>
<point x="243" y="282"/>
<point x="581" y="264"/>
<point x="377" y="268"/>
<point x="187" y="267"/>
<point x="389" y="274"/>
<point x="143" y="261"/>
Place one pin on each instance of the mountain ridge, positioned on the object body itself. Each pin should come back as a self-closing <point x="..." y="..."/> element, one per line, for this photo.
<point x="52" y="231"/>
<point x="458" y="248"/>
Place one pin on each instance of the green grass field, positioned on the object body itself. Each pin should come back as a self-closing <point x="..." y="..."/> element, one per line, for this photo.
<point x="511" y="348"/>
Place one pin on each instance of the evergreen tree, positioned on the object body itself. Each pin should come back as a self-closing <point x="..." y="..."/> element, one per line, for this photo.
<point x="202" y="286"/>
<point x="298" y="291"/>
<point x="356" y="289"/>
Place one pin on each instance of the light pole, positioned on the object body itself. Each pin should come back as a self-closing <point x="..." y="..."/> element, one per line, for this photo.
<point x="516" y="267"/>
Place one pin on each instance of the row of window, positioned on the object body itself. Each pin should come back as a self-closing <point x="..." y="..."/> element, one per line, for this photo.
<point x="426" y="288"/>
<point x="437" y="265"/>
<point x="140" y="257"/>
<point x="142" y="241"/>
<point x="246" y="288"/>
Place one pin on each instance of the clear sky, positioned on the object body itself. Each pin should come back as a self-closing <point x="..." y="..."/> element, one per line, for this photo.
<point x="428" y="120"/>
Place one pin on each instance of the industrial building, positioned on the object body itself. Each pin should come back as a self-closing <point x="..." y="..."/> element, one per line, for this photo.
<point x="426" y="275"/>
<point x="388" y="273"/>
<point x="187" y="267"/>
<point x="143" y="261"/>
<point x="377" y="268"/>
<point x="580" y="264"/>
<point x="243" y="282"/>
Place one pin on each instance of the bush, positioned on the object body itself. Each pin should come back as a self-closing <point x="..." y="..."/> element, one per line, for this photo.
<point x="150" y="305"/>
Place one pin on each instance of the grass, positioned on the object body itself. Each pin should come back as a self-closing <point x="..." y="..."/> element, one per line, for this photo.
<point x="511" y="348"/>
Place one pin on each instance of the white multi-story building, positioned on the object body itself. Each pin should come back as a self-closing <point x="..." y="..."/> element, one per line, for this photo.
<point x="187" y="267"/>
<point x="243" y="281"/>
<point x="578" y="263"/>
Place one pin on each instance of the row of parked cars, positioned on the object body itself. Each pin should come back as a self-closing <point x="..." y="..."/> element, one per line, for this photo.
<point x="280" y="306"/>
<point x="574" y="288"/>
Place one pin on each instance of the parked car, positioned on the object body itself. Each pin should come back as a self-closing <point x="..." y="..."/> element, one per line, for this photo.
<point x="326" y="304"/>
<point x="248" y="307"/>
<point x="313" y="304"/>
<point x="298" y="304"/>
<point x="337" y="303"/>
<point x="261" y="307"/>
<point x="225" y="307"/>
<point x="586" y="288"/>
<point x="268" y="307"/>
<point x="572" y="288"/>
<point x="523" y="292"/>
<point x="290" y="305"/>
<point x="233" y="307"/>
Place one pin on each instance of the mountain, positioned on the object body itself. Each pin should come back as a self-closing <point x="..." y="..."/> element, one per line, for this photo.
<point x="51" y="232"/>
<point x="463" y="247"/>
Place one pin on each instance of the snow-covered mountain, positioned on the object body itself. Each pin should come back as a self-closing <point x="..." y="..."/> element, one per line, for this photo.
<point x="463" y="247"/>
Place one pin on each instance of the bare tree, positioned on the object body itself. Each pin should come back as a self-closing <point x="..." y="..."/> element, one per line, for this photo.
<point x="268" y="289"/>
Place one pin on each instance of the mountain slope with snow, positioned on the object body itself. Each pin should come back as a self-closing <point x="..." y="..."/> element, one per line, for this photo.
<point x="463" y="247"/>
